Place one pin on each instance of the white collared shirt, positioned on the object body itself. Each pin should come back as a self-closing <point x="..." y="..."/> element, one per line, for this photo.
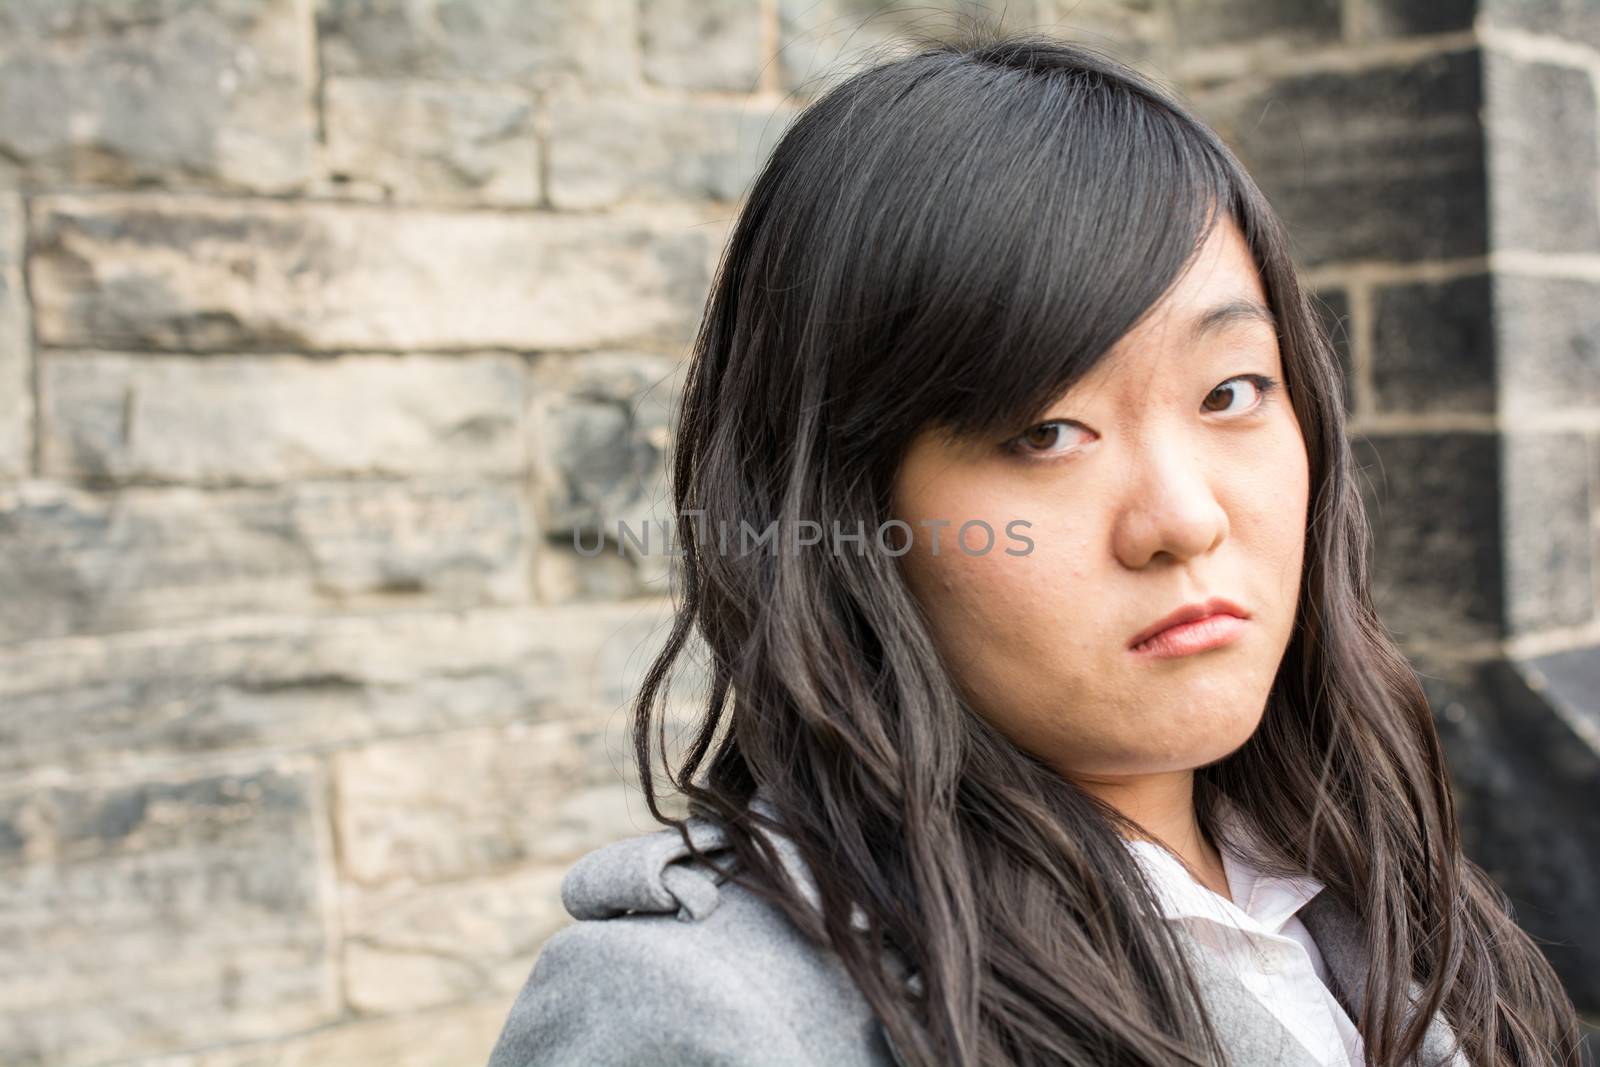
<point x="1258" y="935"/>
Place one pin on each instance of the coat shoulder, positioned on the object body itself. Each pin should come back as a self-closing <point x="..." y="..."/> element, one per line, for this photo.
<point x="669" y="962"/>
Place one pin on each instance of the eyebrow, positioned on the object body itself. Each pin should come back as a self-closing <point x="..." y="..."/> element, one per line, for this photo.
<point x="1220" y="317"/>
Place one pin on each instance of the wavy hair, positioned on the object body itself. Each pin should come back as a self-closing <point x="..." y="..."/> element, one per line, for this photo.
<point x="952" y="238"/>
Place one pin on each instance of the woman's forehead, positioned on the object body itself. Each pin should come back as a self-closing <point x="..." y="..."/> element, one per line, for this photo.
<point x="1219" y="296"/>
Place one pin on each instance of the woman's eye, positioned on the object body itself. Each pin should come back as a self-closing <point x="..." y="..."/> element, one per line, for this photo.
<point x="1229" y="391"/>
<point x="1047" y="439"/>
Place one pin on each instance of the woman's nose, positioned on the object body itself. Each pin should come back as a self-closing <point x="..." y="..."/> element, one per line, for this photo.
<point x="1170" y="509"/>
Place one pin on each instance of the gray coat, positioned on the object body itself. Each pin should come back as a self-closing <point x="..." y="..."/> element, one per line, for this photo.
<point x="665" y="967"/>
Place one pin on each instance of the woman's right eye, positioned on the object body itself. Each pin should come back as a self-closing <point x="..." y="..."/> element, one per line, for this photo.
<point x="1047" y="439"/>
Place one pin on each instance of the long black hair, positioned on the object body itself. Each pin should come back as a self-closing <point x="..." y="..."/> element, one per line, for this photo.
<point x="952" y="238"/>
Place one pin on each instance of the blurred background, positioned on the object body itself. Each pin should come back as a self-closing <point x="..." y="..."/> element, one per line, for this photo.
<point x="325" y="324"/>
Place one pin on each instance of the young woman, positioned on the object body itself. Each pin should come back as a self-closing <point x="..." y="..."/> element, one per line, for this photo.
<point x="1051" y="722"/>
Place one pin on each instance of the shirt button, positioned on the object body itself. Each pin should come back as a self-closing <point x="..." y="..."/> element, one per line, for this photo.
<point x="1267" y="961"/>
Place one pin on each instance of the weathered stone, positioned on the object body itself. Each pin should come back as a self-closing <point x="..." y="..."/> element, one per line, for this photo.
<point x="1548" y="334"/>
<point x="449" y="544"/>
<point x="75" y="562"/>
<point x="1567" y="20"/>
<point x="457" y="1033"/>
<point x="1548" y="517"/>
<point x="1524" y="775"/>
<point x="703" y="44"/>
<point x="409" y="947"/>
<point x="162" y="913"/>
<point x="454" y="849"/>
<point x="1385" y="162"/>
<point x="821" y="41"/>
<point x="600" y="425"/>
<point x="1594" y="487"/>
<point x="1403" y="18"/>
<point x="1543" y="156"/>
<point x="259" y="681"/>
<point x="134" y="272"/>
<point x="562" y="574"/>
<point x="1136" y="31"/>
<point x="445" y="808"/>
<point x="606" y="149"/>
<point x="1203" y="24"/>
<point x="1433" y="501"/>
<point x="1568" y="682"/>
<point x="432" y="142"/>
<point x="167" y="91"/>
<point x="16" y="391"/>
<point x="1434" y="346"/>
<point x="529" y="42"/>
<point x="264" y="419"/>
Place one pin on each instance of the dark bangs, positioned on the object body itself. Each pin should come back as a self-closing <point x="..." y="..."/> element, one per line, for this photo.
<point x="972" y="232"/>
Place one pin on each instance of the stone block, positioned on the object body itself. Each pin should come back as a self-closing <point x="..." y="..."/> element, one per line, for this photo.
<point x="432" y="142"/>
<point x="703" y="44"/>
<point x="411" y="945"/>
<point x="454" y="849"/>
<point x="1548" y="520"/>
<point x="1136" y="31"/>
<point x="1377" y="19"/>
<point x="605" y="149"/>
<point x="525" y="42"/>
<point x="16" y="342"/>
<point x="1566" y="20"/>
<point x="262" y="681"/>
<point x="1433" y="346"/>
<point x="408" y="947"/>
<point x="142" y="917"/>
<point x="1203" y="24"/>
<point x="454" y="1034"/>
<point x="600" y="426"/>
<point x="1382" y="163"/>
<point x="563" y="575"/>
<point x="229" y="275"/>
<point x="821" y="41"/>
<point x="1594" y="483"/>
<point x="1548" y="333"/>
<point x="445" y="544"/>
<point x="1524" y="780"/>
<point x="79" y="562"/>
<point x="1544" y="153"/>
<point x="1433" y="502"/>
<point x="162" y="91"/>
<point x="474" y="803"/>
<point x="229" y="420"/>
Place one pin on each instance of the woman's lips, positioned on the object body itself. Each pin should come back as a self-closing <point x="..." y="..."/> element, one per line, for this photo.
<point x="1191" y="612"/>
<point x="1213" y="631"/>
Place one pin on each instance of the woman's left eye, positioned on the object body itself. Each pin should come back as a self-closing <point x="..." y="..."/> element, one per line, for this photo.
<point x="1228" y="391"/>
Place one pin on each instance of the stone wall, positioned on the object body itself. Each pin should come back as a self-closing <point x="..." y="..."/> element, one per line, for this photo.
<point x="323" y="325"/>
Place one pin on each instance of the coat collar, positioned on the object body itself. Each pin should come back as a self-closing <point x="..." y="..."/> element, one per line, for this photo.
<point x="1337" y="932"/>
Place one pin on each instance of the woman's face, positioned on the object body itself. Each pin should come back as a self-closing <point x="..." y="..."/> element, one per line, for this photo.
<point x="1170" y="478"/>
